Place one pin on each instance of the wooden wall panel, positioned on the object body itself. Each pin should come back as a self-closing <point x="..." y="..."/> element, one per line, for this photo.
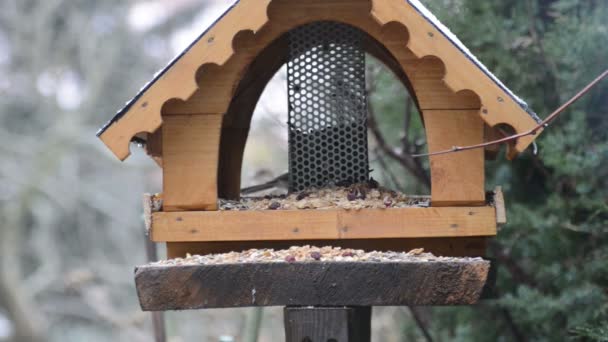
<point x="251" y="225"/>
<point x="154" y="146"/>
<point x="190" y="161"/>
<point x="456" y="178"/>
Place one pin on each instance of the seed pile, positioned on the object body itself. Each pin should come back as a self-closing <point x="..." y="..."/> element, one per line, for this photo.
<point x="354" y="197"/>
<point x="307" y="254"/>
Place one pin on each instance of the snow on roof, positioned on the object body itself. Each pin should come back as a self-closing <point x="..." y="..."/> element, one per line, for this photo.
<point x="430" y="17"/>
<point x="416" y="4"/>
<point x="161" y="72"/>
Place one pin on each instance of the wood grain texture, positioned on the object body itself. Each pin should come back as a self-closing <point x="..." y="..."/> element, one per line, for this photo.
<point x="344" y="324"/>
<point x="456" y="178"/>
<point x="161" y="288"/>
<point x="433" y="93"/>
<point x="190" y="161"/>
<point x="199" y="226"/>
<point x="154" y="146"/>
<point x="491" y="134"/>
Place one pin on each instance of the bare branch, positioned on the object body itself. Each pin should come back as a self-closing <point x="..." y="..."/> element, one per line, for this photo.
<point x="404" y="159"/>
<point x="421" y="325"/>
<point x="387" y="171"/>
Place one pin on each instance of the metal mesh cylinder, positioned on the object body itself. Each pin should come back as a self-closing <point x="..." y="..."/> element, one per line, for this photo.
<point x="327" y="106"/>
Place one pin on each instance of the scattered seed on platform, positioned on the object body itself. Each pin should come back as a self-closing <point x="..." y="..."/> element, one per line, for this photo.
<point x="308" y="254"/>
<point x="353" y="197"/>
<point x="290" y="258"/>
<point x="274" y="206"/>
<point x="302" y="195"/>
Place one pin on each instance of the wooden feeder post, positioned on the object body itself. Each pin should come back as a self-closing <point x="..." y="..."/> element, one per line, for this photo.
<point x="194" y="119"/>
<point x="347" y="324"/>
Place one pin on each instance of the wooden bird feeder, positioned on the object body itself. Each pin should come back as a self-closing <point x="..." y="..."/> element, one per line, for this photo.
<point x="194" y="119"/>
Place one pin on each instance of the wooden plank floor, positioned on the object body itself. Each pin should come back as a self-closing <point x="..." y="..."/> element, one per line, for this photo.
<point x="182" y="287"/>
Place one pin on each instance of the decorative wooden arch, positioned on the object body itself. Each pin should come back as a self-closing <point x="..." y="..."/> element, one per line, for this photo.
<point x="424" y="82"/>
<point x="205" y="98"/>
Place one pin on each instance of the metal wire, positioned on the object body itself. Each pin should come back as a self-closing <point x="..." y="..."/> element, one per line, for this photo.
<point x="327" y="106"/>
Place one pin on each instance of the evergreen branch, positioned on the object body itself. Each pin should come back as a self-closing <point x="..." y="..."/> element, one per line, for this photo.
<point x="519" y="274"/>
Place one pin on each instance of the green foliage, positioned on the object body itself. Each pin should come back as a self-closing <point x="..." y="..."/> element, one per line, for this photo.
<point x="557" y="235"/>
<point x="592" y="333"/>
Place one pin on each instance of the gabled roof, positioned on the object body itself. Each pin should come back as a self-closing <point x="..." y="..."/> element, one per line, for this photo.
<point x="161" y="72"/>
<point x="253" y="22"/>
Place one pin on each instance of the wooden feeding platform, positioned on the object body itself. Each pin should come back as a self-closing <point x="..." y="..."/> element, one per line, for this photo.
<point x="306" y="276"/>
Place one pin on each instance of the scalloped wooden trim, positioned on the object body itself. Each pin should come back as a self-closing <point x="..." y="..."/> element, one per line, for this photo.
<point x="461" y="73"/>
<point x="216" y="47"/>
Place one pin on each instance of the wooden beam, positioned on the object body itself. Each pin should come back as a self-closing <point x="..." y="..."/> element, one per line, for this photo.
<point x="184" y="287"/>
<point x="344" y="324"/>
<point x="457" y="178"/>
<point x="190" y="161"/>
<point x="198" y="226"/>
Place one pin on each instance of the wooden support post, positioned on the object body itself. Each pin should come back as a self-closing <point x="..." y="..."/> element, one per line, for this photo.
<point x="328" y="324"/>
<point x="456" y="179"/>
<point x="190" y="145"/>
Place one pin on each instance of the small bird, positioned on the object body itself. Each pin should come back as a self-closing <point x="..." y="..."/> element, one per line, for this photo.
<point x="280" y="183"/>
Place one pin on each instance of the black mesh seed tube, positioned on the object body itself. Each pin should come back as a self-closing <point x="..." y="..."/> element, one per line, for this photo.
<point x="327" y="118"/>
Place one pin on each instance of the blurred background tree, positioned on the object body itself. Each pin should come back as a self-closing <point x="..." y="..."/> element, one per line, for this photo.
<point x="71" y="230"/>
